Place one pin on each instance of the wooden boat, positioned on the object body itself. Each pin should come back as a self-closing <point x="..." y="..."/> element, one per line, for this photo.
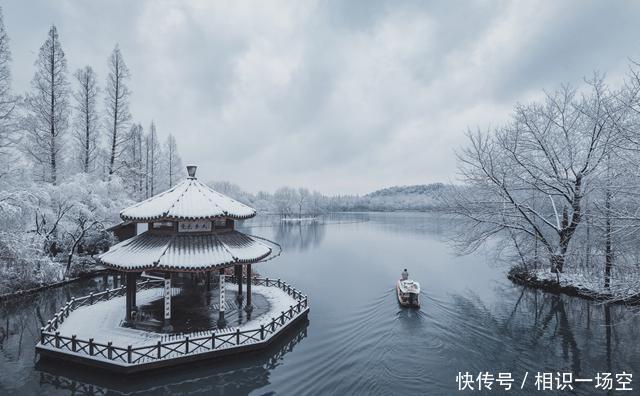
<point x="408" y="293"/>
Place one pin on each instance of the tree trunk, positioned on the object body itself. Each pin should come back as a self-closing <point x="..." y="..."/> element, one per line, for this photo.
<point x="557" y="263"/>
<point x="608" y="253"/>
<point x="87" y="131"/>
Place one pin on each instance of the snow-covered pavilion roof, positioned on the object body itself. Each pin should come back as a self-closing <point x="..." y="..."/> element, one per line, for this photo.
<point x="188" y="200"/>
<point x="186" y="252"/>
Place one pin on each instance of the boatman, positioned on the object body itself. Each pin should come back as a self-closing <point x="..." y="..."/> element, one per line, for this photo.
<point x="405" y="275"/>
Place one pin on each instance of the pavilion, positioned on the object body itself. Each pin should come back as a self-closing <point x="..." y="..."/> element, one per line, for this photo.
<point x="191" y="229"/>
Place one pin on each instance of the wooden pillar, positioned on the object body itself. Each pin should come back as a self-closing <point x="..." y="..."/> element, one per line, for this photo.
<point x="134" y="291"/>
<point x="221" y="292"/>
<point x="249" y="307"/>
<point x="166" y="325"/>
<point x="238" y="273"/>
<point x="128" y="320"/>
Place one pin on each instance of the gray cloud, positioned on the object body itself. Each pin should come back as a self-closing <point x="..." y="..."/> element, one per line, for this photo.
<point x="340" y="96"/>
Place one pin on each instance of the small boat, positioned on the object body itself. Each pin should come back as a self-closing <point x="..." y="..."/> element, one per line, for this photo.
<point x="408" y="293"/>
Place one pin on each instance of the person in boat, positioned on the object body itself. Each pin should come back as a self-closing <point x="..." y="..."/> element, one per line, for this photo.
<point x="405" y="275"/>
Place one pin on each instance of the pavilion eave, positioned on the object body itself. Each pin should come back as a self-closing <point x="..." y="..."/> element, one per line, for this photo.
<point x="184" y="253"/>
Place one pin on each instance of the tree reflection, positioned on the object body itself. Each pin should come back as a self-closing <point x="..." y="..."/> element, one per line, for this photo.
<point x="299" y="237"/>
<point x="538" y="331"/>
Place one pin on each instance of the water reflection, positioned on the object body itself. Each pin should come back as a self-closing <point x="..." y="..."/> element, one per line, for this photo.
<point x="299" y="237"/>
<point x="472" y="319"/>
<point x="534" y="331"/>
<point x="227" y="375"/>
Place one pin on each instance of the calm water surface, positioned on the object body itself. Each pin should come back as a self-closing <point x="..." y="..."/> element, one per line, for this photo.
<point x="358" y="340"/>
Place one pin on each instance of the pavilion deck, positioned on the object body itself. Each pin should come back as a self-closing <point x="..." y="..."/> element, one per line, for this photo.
<point x="131" y="350"/>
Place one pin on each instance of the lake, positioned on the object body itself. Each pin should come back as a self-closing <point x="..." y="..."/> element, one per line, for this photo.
<point x="358" y="340"/>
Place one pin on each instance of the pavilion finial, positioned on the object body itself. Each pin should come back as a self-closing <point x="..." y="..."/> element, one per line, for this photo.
<point x="191" y="170"/>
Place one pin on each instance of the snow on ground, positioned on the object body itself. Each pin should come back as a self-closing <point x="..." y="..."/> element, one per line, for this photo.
<point x="279" y="301"/>
<point x="102" y="321"/>
<point x="592" y="282"/>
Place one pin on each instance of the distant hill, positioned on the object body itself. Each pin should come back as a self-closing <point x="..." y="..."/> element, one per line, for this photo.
<point x="417" y="197"/>
<point x="419" y="189"/>
<point x="420" y="197"/>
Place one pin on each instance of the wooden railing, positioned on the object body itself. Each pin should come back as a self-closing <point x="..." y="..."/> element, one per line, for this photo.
<point x="72" y="385"/>
<point x="174" y="345"/>
<point x="93" y="298"/>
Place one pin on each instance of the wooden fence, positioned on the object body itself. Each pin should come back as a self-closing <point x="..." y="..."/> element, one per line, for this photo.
<point x="167" y="349"/>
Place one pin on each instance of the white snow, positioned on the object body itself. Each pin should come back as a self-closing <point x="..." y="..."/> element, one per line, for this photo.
<point x="593" y="282"/>
<point x="190" y="199"/>
<point x="102" y="321"/>
<point x="279" y="301"/>
<point x="185" y="251"/>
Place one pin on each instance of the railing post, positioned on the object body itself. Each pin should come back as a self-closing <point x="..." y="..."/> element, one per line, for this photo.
<point x="129" y="354"/>
<point x="186" y="345"/>
<point x="107" y="294"/>
<point x="90" y="346"/>
<point x="273" y="324"/>
<point x="266" y="282"/>
<point x="213" y="341"/>
<point x="237" y="336"/>
<point x="110" y="350"/>
<point x="159" y="349"/>
<point x="57" y="339"/>
<point x="73" y="343"/>
<point x="278" y="282"/>
<point x="42" y="335"/>
<point x="91" y="298"/>
<point x="262" y="332"/>
<point x="282" y="317"/>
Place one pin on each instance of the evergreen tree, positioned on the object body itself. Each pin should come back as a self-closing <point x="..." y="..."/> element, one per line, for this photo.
<point x="86" y="120"/>
<point x="117" y="107"/>
<point x="47" y="108"/>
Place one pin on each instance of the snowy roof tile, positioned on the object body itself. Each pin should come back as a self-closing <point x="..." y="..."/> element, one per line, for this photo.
<point x="184" y="252"/>
<point x="189" y="200"/>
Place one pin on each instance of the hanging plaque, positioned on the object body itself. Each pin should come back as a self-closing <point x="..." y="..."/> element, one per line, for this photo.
<point x="167" y="298"/>
<point x="194" y="226"/>
<point x="222" y="290"/>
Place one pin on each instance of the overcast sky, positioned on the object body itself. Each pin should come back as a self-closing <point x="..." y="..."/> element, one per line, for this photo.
<point x="339" y="96"/>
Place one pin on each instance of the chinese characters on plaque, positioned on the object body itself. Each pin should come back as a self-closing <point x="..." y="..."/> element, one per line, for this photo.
<point x="222" y="289"/>
<point x="194" y="226"/>
<point x="167" y="298"/>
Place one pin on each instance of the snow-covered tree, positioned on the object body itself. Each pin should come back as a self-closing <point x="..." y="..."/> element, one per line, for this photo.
<point x="286" y="199"/>
<point x="86" y="118"/>
<point x="47" y="106"/>
<point x="117" y="107"/>
<point x="152" y="161"/>
<point x="173" y="162"/>
<point x="552" y="150"/>
<point x="302" y="198"/>
<point x="8" y="101"/>
<point x="134" y="162"/>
